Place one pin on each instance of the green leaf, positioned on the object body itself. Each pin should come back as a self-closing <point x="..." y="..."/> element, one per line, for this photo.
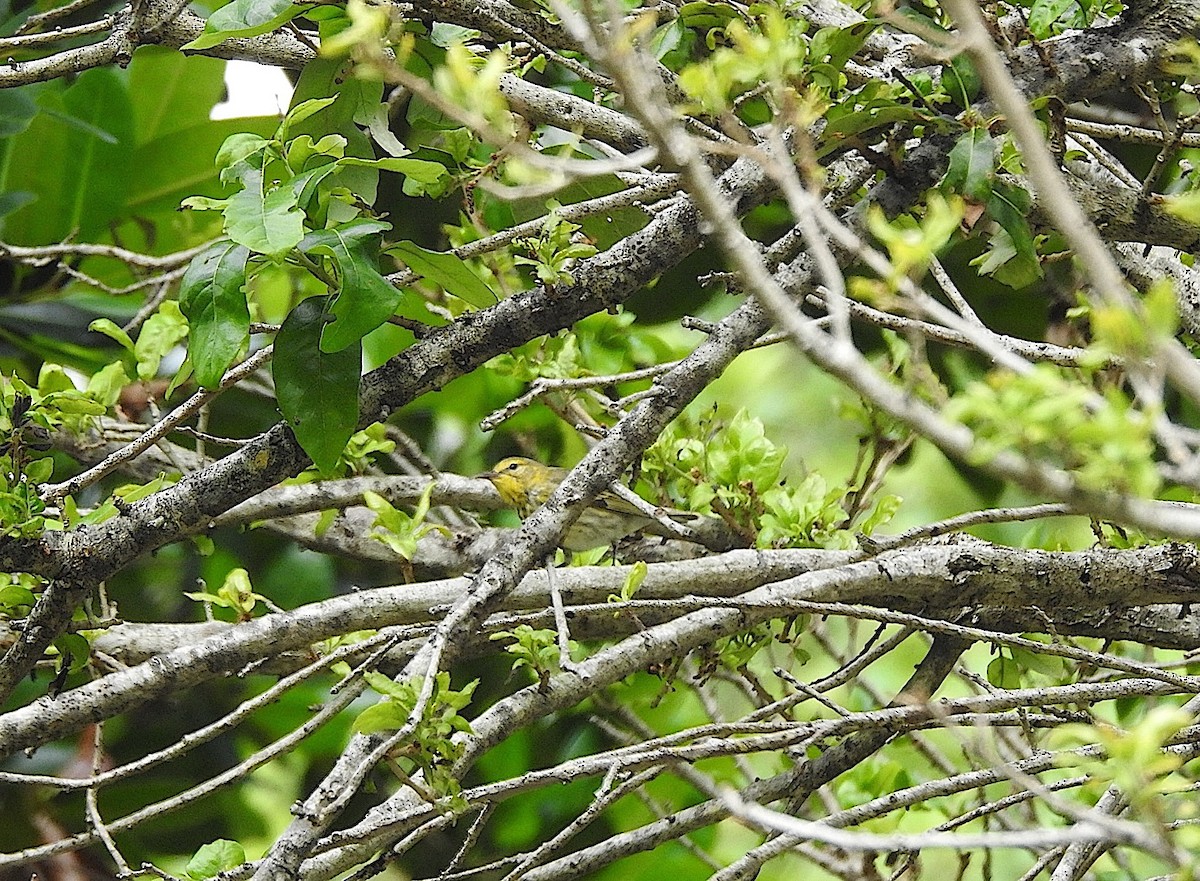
<point x="863" y="120"/>
<point x="1008" y="206"/>
<point x="214" y="858"/>
<point x="162" y="331"/>
<point x="179" y="164"/>
<point x="365" y="299"/>
<point x="39" y="470"/>
<point x="303" y="111"/>
<point x="352" y="234"/>
<point x="110" y="329"/>
<point x="73" y="651"/>
<point x="446" y="271"/>
<point x="317" y="390"/>
<point x="1045" y="13"/>
<point x="106" y="384"/>
<point x="172" y="92"/>
<point x="244" y="18"/>
<point x="972" y="164"/>
<point x="383" y="716"/>
<point x="17" y="111"/>
<point x="236" y="149"/>
<point x="421" y="170"/>
<point x="705" y="15"/>
<point x="305" y="185"/>
<point x="15" y="201"/>
<point x="92" y="123"/>
<point x="961" y="81"/>
<point x="270" y="224"/>
<point x="211" y="297"/>
<point x="302" y="148"/>
<point x="1004" y="672"/>
<point x="1185" y="206"/>
<point x="203" y="203"/>
<point x="352" y="97"/>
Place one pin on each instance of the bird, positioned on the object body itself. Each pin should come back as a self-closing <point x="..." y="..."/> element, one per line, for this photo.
<point x="526" y="484"/>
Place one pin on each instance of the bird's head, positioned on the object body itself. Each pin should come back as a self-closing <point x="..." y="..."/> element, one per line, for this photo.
<point x="513" y="478"/>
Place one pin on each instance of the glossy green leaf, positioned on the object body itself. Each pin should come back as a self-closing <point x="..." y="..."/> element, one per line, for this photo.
<point x="972" y="164"/>
<point x="317" y="390"/>
<point x="365" y="299"/>
<point x="837" y="45"/>
<point x="267" y="223"/>
<point x="420" y="169"/>
<point x="305" y="186"/>
<point x="245" y="18"/>
<point x="212" y="299"/>
<point x="237" y="149"/>
<point x="704" y="14"/>
<point x="325" y="81"/>
<point x="446" y="271"/>
<point x="421" y="177"/>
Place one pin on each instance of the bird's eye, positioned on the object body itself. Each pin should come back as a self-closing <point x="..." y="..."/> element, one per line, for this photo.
<point x="515" y="466"/>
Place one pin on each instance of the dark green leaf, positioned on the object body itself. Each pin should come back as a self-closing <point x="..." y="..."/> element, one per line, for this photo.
<point x="305" y="185"/>
<point x="1003" y="672"/>
<point x="211" y="297"/>
<point x="704" y="15"/>
<point x="352" y="97"/>
<point x="972" y="163"/>
<point x="317" y="391"/>
<point x="447" y="271"/>
<point x="365" y="299"/>
<point x="73" y="651"/>
<point x="961" y="81"/>
<point x="1012" y="258"/>
<point x="1008" y="206"/>
<point x="353" y="233"/>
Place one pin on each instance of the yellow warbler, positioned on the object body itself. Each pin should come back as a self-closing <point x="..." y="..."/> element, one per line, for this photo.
<point x="526" y="485"/>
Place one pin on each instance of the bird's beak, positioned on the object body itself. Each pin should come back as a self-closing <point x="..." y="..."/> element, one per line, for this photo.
<point x="487" y="475"/>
